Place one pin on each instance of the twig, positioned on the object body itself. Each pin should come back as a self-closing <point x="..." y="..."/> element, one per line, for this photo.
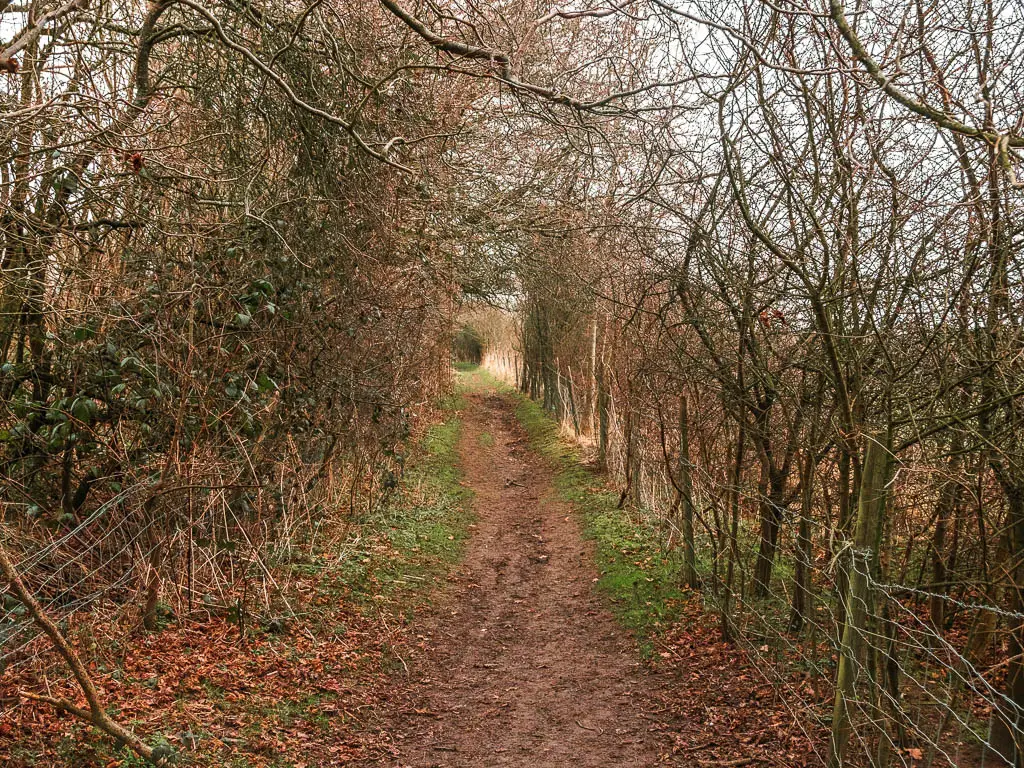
<point x="590" y="728"/>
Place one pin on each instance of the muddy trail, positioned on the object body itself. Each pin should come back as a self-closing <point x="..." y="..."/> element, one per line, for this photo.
<point x="523" y="664"/>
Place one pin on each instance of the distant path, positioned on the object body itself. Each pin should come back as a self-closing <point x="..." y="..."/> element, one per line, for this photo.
<point x="524" y="665"/>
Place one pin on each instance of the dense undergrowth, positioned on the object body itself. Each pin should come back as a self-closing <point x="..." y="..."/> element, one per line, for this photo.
<point x="290" y="691"/>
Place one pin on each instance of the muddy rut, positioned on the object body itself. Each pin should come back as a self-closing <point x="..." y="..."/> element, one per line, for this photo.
<point x="524" y="666"/>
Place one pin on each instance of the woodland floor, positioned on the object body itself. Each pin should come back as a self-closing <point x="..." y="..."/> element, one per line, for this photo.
<point x="521" y="646"/>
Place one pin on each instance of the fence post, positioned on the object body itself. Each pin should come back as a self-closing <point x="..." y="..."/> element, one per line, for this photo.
<point x="870" y="513"/>
<point x="603" y="405"/>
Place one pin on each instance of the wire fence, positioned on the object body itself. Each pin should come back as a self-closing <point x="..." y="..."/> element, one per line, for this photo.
<point x="155" y="552"/>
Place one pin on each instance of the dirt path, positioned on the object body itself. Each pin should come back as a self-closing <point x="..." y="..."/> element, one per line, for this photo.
<point x="524" y="665"/>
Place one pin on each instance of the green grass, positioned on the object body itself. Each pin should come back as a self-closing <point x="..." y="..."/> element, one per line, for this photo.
<point x="396" y="552"/>
<point x="638" y="574"/>
<point x="420" y="533"/>
<point x="431" y="533"/>
<point x="473" y="378"/>
<point x="390" y="565"/>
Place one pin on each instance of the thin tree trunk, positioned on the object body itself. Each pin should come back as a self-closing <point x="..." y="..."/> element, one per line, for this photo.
<point x="150" y="619"/>
<point x="734" y="505"/>
<point x="592" y="380"/>
<point x="604" y="420"/>
<point x="842" y="536"/>
<point x="686" y="497"/>
<point x="948" y="500"/>
<point x="1007" y="739"/>
<point x="771" y="511"/>
<point x="802" y="573"/>
<point x="631" y="492"/>
<point x="571" y="397"/>
<point x="870" y="513"/>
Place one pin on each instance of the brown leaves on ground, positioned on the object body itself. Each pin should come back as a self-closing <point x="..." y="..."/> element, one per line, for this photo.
<point x="307" y="697"/>
<point x="312" y="695"/>
<point x="726" y="709"/>
<point x="219" y="698"/>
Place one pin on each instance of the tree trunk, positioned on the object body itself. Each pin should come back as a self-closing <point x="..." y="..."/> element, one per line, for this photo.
<point x="592" y="381"/>
<point x="571" y="398"/>
<point x="633" y="491"/>
<point x="603" y="416"/>
<point x="771" y="524"/>
<point x="150" y="619"/>
<point x="734" y="505"/>
<point x="864" y="553"/>
<point x="771" y="512"/>
<point x="802" y="573"/>
<point x="948" y="499"/>
<point x="842" y="535"/>
<point x="686" y="497"/>
<point x="1007" y="739"/>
